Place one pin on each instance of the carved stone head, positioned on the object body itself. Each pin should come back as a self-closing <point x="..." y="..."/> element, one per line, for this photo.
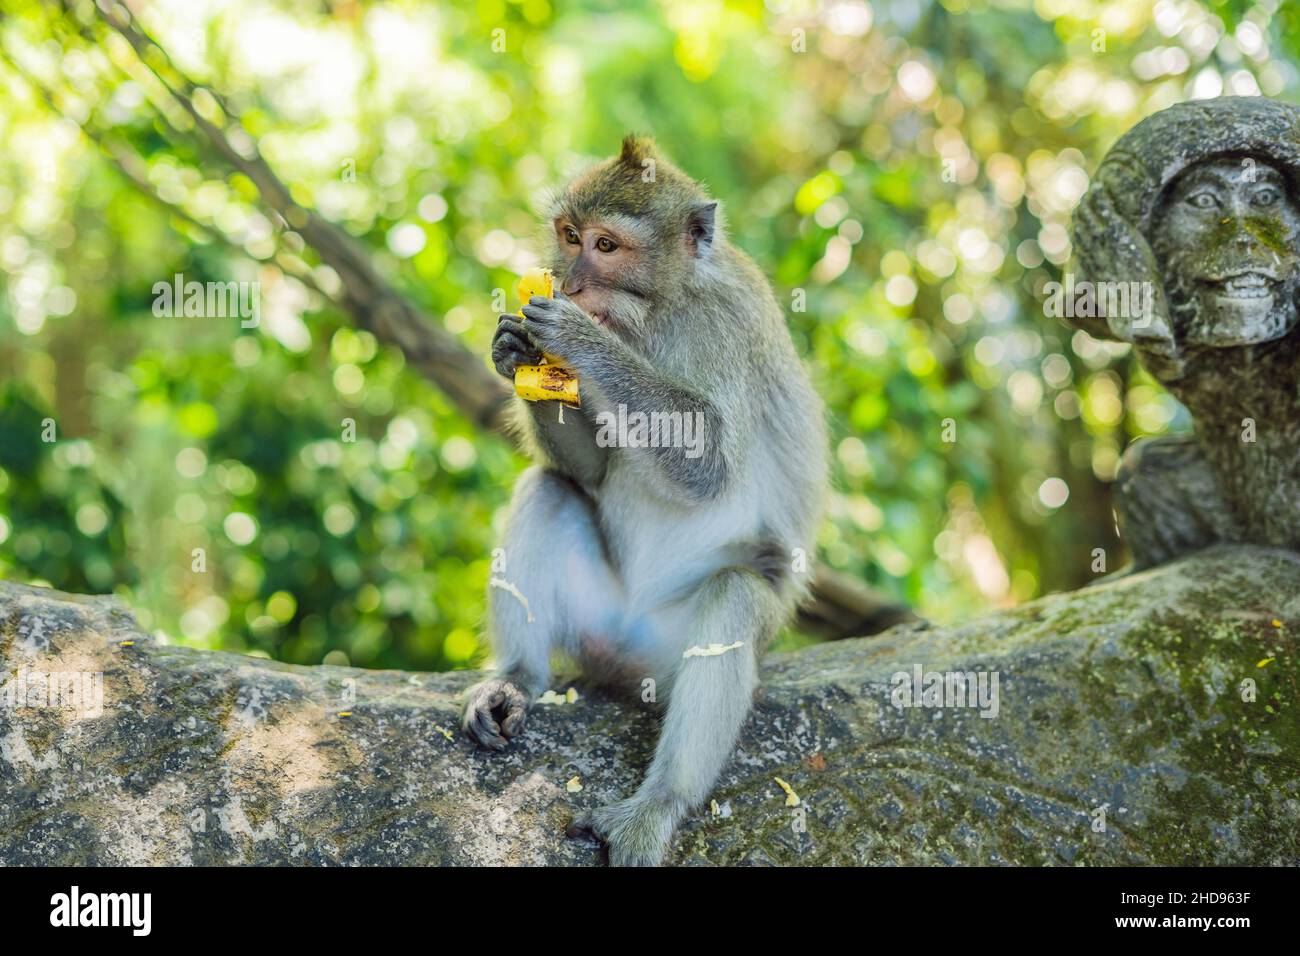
<point x="1224" y="235"/>
<point x="1201" y="201"/>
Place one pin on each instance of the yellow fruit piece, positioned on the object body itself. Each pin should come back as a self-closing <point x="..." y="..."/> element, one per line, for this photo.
<point x="535" y="282"/>
<point x="551" y="381"/>
<point x="791" y="798"/>
<point x="543" y="383"/>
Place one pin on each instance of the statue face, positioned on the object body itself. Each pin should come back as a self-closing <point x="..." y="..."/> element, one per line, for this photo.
<point x="1226" y="237"/>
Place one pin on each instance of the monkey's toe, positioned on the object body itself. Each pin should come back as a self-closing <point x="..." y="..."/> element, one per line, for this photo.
<point x="584" y="827"/>
<point x="482" y="729"/>
<point x="635" y="832"/>
<point x="513" y="724"/>
<point x="495" y="712"/>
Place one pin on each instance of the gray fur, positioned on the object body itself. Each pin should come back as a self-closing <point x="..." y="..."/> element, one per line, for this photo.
<point x="629" y="556"/>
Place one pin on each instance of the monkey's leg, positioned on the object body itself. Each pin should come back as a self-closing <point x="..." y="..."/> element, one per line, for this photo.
<point x="709" y="698"/>
<point x="553" y="585"/>
<point x="1168" y="501"/>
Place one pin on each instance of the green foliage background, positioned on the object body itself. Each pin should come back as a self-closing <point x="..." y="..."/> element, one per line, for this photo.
<point x="903" y="170"/>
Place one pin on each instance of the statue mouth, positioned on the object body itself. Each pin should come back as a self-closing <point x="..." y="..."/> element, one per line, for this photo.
<point x="1239" y="306"/>
<point x="1242" y="286"/>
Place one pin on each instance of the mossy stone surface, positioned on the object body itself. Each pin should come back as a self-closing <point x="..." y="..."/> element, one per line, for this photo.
<point x="1127" y="695"/>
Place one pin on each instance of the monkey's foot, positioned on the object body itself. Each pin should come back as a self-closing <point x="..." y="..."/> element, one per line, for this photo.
<point x="495" y="711"/>
<point x="636" y="831"/>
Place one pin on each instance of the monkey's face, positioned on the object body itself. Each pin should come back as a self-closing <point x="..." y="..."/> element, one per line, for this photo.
<point x="1225" y="236"/>
<point x="630" y="235"/>
<point x="605" y="266"/>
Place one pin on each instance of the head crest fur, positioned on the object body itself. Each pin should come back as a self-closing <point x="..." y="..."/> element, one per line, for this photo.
<point x="638" y="182"/>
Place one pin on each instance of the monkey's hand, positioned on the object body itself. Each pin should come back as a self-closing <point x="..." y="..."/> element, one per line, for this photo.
<point x="636" y="831"/>
<point x="495" y="711"/>
<point x="512" y="346"/>
<point x="561" y="328"/>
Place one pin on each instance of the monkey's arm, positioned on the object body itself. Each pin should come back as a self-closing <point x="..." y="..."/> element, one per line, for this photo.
<point x="569" y="448"/>
<point x="624" y="377"/>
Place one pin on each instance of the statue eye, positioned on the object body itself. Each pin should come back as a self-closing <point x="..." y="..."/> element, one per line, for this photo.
<point x="1265" y="197"/>
<point x="1203" y="200"/>
<point x="605" y="244"/>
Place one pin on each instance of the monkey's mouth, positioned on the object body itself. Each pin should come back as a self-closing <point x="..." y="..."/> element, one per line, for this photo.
<point x="597" y="316"/>
<point x="1241" y="287"/>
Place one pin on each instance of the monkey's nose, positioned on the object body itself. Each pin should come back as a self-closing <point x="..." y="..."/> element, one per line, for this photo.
<point x="570" y="288"/>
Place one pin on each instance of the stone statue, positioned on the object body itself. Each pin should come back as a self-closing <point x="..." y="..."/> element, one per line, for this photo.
<point x="1198" y="207"/>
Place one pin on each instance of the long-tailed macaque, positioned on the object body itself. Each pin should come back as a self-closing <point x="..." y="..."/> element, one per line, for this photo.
<point x="666" y="553"/>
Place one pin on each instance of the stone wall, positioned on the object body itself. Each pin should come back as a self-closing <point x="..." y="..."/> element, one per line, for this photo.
<point x="1126" y="696"/>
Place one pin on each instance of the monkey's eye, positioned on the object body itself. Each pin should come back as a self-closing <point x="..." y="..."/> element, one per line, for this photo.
<point x="606" y="244"/>
<point x="1265" y="197"/>
<point x="1203" y="200"/>
<point x="571" y="236"/>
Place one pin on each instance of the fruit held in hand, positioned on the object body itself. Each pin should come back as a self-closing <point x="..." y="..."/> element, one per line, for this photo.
<point x="550" y="381"/>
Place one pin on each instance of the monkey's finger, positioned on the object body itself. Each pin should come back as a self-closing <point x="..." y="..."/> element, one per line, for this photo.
<point x="513" y="324"/>
<point x="515" y="330"/>
<point x="540" y="313"/>
<point x="506" y="363"/>
<point x="508" y="353"/>
<point x="506" y="343"/>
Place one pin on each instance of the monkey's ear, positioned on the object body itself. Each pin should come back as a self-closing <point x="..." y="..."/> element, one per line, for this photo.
<point x="700" y="227"/>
